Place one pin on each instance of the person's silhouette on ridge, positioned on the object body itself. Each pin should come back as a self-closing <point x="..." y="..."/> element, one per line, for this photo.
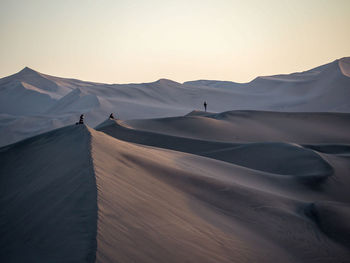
<point x="81" y="119"/>
<point x="205" y="106"/>
<point x="111" y="116"/>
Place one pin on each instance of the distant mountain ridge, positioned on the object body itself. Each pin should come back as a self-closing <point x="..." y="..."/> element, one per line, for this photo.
<point x="32" y="102"/>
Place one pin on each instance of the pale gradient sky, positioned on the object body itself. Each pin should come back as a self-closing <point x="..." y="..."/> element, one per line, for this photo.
<point x="120" y="41"/>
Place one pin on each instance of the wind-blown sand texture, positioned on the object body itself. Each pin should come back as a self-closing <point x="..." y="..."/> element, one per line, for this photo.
<point x="239" y="186"/>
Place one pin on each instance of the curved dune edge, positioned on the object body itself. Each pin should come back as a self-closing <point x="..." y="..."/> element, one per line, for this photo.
<point x="277" y="158"/>
<point x="288" y="159"/>
<point x="344" y="65"/>
<point x="339" y="149"/>
<point x="252" y="126"/>
<point x="162" y="206"/>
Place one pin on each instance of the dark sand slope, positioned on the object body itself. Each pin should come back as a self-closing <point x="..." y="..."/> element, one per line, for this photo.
<point x="164" y="206"/>
<point x="48" y="207"/>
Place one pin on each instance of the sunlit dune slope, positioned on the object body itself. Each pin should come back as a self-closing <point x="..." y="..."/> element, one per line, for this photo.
<point x="152" y="201"/>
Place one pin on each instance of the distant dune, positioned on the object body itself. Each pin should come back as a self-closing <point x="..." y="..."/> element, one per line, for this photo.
<point x="32" y="102"/>
<point x="158" y="191"/>
<point x="252" y="126"/>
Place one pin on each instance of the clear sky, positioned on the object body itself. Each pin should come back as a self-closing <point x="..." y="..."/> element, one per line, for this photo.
<point x="119" y="41"/>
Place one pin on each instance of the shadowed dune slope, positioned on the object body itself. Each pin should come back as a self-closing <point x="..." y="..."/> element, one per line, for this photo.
<point x="333" y="219"/>
<point x="117" y="129"/>
<point x="307" y="164"/>
<point x="48" y="198"/>
<point x="279" y="158"/>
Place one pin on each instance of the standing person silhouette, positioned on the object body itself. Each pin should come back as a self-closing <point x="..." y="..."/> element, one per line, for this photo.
<point x="205" y="106"/>
<point x="81" y="120"/>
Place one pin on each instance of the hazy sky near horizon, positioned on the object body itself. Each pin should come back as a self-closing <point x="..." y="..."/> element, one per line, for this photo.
<point x="119" y="41"/>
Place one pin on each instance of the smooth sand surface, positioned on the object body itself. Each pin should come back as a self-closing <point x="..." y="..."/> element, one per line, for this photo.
<point x="48" y="198"/>
<point x="252" y="126"/>
<point x="126" y="194"/>
<point x="246" y="202"/>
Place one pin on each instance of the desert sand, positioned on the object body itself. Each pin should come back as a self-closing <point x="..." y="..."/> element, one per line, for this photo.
<point x="263" y="176"/>
<point x="238" y="186"/>
<point x="32" y="102"/>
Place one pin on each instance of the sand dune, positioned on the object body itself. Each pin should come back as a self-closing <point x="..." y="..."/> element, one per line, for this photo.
<point x="233" y="211"/>
<point x="266" y="181"/>
<point x="263" y="151"/>
<point x="252" y="126"/>
<point x="290" y="173"/>
<point x="332" y="218"/>
<point x="75" y="101"/>
<point x="19" y="98"/>
<point x="48" y="198"/>
<point x="156" y="207"/>
<point x="344" y="65"/>
<point x="77" y="194"/>
<point x="38" y="98"/>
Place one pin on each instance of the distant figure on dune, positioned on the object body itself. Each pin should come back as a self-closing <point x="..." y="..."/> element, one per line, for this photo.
<point x="111" y="116"/>
<point x="81" y="119"/>
<point x="205" y="106"/>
